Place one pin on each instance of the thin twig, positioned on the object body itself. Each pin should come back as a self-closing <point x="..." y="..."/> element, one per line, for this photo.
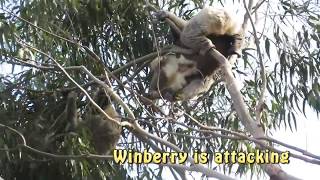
<point x="259" y="106"/>
<point x="304" y="152"/>
<point x="24" y="142"/>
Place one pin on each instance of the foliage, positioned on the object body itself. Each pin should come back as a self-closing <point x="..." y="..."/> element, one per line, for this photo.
<point x="119" y="32"/>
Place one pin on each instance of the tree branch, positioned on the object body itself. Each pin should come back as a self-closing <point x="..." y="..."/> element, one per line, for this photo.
<point x="241" y="136"/>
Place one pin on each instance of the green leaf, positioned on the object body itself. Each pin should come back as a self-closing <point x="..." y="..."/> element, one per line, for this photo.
<point x="267" y="47"/>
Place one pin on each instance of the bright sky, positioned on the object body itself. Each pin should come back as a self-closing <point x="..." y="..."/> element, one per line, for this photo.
<point x="307" y="137"/>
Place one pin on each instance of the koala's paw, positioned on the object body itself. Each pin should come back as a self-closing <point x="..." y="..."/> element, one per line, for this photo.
<point x="161" y="15"/>
<point x="179" y="96"/>
<point x="168" y="96"/>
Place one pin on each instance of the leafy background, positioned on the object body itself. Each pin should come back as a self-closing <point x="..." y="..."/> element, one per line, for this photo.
<point x="33" y="94"/>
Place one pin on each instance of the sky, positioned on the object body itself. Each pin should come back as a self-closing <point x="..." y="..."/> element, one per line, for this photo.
<point x="306" y="137"/>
